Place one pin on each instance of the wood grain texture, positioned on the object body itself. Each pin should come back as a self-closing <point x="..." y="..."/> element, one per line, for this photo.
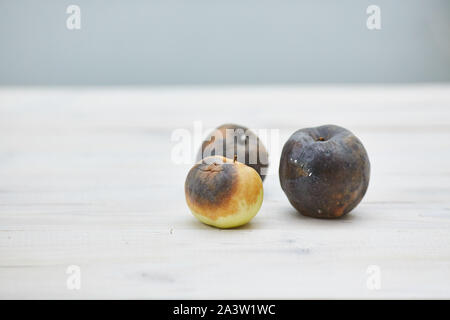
<point x="86" y="178"/>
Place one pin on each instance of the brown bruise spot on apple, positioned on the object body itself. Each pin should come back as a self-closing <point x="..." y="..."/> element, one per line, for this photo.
<point x="340" y="208"/>
<point x="210" y="187"/>
<point x="300" y="172"/>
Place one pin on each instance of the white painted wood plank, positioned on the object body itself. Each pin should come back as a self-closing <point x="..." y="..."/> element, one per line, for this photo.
<point x="86" y="178"/>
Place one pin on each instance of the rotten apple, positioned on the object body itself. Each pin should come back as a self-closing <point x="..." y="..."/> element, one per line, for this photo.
<point x="223" y="193"/>
<point x="324" y="171"/>
<point x="229" y="140"/>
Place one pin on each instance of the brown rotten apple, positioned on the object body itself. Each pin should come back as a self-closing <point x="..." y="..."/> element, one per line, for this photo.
<point x="222" y="192"/>
<point x="324" y="171"/>
<point x="231" y="139"/>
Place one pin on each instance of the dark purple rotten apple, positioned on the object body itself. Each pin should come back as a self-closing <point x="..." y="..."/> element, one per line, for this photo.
<point x="229" y="140"/>
<point x="324" y="171"/>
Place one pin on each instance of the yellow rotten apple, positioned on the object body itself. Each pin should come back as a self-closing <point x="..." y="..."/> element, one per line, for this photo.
<point x="223" y="193"/>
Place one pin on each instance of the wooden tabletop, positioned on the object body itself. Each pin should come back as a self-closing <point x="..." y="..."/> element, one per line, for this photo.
<point x="89" y="178"/>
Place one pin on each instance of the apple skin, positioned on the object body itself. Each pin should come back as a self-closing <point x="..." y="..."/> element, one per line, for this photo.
<point x="324" y="171"/>
<point x="223" y="193"/>
<point x="242" y="146"/>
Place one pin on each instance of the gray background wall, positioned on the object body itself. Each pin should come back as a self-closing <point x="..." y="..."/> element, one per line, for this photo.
<point x="223" y="42"/>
